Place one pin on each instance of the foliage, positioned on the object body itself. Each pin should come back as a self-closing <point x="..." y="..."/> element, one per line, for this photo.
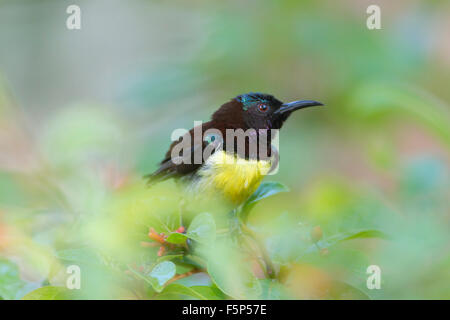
<point x="218" y="263"/>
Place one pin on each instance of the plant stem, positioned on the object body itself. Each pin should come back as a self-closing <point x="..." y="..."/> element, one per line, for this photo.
<point x="184" y="275"/>
<point x="265" y="255"/>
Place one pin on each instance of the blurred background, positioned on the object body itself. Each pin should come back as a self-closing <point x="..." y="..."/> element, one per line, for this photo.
<point x="84" y="114"/>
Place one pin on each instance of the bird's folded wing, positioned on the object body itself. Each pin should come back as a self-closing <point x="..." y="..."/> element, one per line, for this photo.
<point x="175" y="166"/>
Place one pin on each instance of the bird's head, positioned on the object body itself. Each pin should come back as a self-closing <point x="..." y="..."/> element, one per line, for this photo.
<point x="258" y="111"/>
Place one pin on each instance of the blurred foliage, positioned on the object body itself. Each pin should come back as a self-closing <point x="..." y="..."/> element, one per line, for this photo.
<point x="363" y="182"/>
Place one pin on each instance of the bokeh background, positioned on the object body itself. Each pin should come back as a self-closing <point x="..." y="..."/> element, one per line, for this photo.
<point x="84" y="114"/>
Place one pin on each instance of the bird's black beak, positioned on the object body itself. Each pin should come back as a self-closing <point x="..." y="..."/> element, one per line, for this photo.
<point x="296" y="105"/>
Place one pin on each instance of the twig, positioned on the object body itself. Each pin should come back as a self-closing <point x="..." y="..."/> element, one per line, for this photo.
<point x="184" y="275"/>
<point x="265" y="255"/>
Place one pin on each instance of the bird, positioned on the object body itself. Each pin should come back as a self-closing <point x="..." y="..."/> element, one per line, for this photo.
<point x="232" y="168"/>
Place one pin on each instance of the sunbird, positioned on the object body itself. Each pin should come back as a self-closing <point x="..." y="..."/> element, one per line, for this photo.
<point x="230" y="169"/>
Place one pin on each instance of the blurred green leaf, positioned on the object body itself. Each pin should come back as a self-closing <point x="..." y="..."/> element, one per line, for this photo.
<point x="266" y="189"/>
<point x="177" y="238"/>
<point x="293" y="240"/>
<point x="48" y="293"/>
<point x="196" y="292"/>
<point x="271" y="290"/>
<point x="162" y="273"/>
<point x="357" y="234"/>
<point x="211" y="293"/>
<point x="10" y="282"/>
<point x="244" y="286"/>
<point x="366" y="234"/>
<point x="169" y="257"/>
<point x="343" y="291"/>
<point x="340" y="237"/>
<point x="202" y="228"/>
<point x="230" y="274"/>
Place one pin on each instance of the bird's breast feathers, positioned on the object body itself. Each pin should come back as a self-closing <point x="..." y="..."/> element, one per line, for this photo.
<point x="236" y="178"/>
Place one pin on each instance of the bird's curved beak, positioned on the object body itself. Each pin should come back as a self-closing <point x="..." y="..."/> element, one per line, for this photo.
<point x="296" y="105"/>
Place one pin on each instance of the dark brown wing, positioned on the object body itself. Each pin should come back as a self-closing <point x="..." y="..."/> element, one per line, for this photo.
<point x="169" y="169"/>
<point x="179" y="166"/>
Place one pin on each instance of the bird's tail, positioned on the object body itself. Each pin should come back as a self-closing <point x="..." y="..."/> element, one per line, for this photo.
<point x="156" y="177"/>
<point x="153" y="178"/>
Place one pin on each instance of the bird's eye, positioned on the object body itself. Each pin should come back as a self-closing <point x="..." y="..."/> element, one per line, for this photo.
<point x="263" y="107"/>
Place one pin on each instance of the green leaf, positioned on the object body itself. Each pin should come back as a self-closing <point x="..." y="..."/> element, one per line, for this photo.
<point x="176" y="288"/>
<point x="10" y="282"/>
<point x="284" y="247"/>
<point x="48" y="293"/>
<point x="183" y="267"/>
<point x="177" y="238"/>
<point x="367" y="234"/>
<point x="343" y="291"/>
<point x="344" y="236"/>
<point x="356" y="234"/>
<point x="202" y="228"/>
<point x="170" y="296"/>
<point x="211" y="293"/>
<point x="169" y="257"/>
<point x="271" y="290"/>
<point x="162" y="273"/>
<point x="234" y="280"/>
<point x="265" y="190"/>
<point x="152" y="282"/>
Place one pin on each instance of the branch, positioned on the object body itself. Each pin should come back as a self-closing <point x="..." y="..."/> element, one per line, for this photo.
<point x="184" y="275"/>
<point x="265" y="255"/>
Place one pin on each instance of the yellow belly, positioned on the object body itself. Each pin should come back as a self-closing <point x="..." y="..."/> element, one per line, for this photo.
<point x="234" y="177"/>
